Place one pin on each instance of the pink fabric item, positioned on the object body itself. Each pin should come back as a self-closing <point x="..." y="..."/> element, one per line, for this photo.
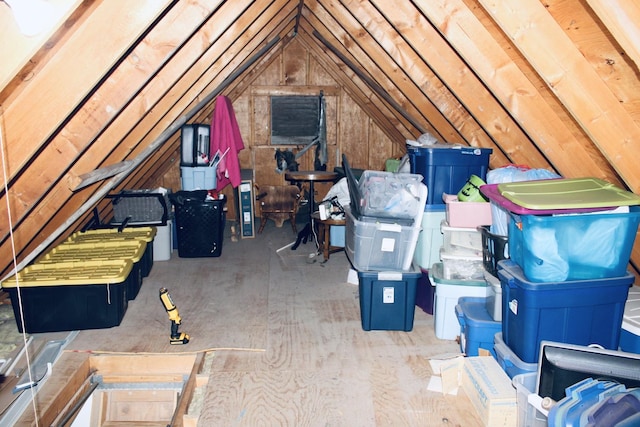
<point x="225" y="133"/>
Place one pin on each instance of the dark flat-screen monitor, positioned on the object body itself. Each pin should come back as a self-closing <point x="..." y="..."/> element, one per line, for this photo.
<point x="562" y="365"/>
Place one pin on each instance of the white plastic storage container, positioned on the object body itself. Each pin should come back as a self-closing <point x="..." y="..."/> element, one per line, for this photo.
<point x="529" y="403"/>
<point x="163" y="242"/>
<point x="446" y="298"/>
<point x="457" y="266"/>
<point x="630" y="333"/>
<point x="430" y="239"/>
<point x="461" y="240"/>
<point x="494" y="296"/>
<point x="198" y="178"/>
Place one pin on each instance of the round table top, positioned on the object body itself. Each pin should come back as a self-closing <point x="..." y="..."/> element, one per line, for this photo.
<point x="310" y="176"/>
<point x="330" y="220"/>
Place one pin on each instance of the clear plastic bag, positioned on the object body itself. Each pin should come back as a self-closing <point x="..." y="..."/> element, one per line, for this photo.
<point x="512" y="173"/>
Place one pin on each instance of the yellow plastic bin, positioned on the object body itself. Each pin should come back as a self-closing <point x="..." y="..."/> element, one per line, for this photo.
<point x="69" y="296"/>
<point x="103" y="251"/>
<point x="146" y="234"/>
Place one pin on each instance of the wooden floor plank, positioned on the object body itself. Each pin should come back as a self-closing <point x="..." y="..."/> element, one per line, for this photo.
<point x="284" y="341"/>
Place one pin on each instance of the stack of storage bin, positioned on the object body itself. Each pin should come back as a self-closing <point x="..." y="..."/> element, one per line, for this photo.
<point x="566" y="280"/>
<point x="381" y="234"/>
<point x="449" y="248"/>
<point x="460" y="276"/>
<point x="84" y="282"/>
<point x="445" y="169"/>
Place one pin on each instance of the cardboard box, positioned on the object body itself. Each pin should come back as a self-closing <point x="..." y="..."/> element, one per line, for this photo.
<point x="490" y="390"/>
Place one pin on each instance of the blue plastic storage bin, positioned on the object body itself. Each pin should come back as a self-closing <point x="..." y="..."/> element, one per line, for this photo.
<point x="580" y="312"/>
<point x="446" y="168"/>
<point x="387" y="299"/>
<point x="198" y="178"/>
<point x="510" y="363"/>
<point x="477" y="328"/>
<point x="573" y="247"/>
<point x="425" y="292"/>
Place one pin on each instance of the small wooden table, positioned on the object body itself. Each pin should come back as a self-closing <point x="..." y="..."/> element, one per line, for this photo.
<point x="324" y="234"/>
<point x="311" y="177"/>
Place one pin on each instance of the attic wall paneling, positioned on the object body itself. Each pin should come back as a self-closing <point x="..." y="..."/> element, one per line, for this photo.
<point x="294" y="67"/>
<point x="270" y="75"/>
<point x="261" y="120"/>
<point x="264" y="172"/>
<point x="380" y="148"/>
<point x="354" y="133"/>
<point x="574" y="81"/>
<point x="331" y="116"/>
<point x="171" y="178"/>
<point x="241" y="109"/>
<point x="318" y="75"/>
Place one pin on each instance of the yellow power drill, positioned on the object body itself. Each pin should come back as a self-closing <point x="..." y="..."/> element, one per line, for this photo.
<point x="176" y="336"/>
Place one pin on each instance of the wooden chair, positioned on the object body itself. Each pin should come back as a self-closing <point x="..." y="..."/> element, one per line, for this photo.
<point x="279" y="203"/>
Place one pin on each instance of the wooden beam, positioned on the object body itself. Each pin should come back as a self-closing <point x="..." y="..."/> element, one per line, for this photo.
<point x="298" y="15"/>
<point x="57" y="100"/>
<point x="421" y="50"/>
<point x="622" y="18"/>
<point x="478" y="48"/>
<point x="574" y="81"/>
<point x="92" y="177"/>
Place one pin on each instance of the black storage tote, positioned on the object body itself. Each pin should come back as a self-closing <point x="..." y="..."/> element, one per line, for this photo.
<point x="199" y="224"/>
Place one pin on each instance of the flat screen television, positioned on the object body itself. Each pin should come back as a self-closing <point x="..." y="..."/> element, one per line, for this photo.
<point x="562" y="365"/>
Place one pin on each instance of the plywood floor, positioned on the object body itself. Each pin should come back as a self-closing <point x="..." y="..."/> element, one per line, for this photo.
<point x="286" y="339"/>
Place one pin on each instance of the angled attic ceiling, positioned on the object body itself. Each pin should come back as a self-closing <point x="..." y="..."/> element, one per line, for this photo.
<point x="550" y="84"/>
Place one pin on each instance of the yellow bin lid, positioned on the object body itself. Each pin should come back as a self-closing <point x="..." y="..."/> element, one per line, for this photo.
<point x="71" y="273"/>
<point x="111" y="250"/>
<point x="141" y="233"/>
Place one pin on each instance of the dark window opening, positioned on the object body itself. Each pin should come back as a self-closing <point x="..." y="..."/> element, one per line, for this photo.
<point x="294" y="119"/>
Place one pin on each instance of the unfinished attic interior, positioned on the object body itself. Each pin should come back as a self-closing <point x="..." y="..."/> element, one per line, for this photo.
<point x="94" y="103"/>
